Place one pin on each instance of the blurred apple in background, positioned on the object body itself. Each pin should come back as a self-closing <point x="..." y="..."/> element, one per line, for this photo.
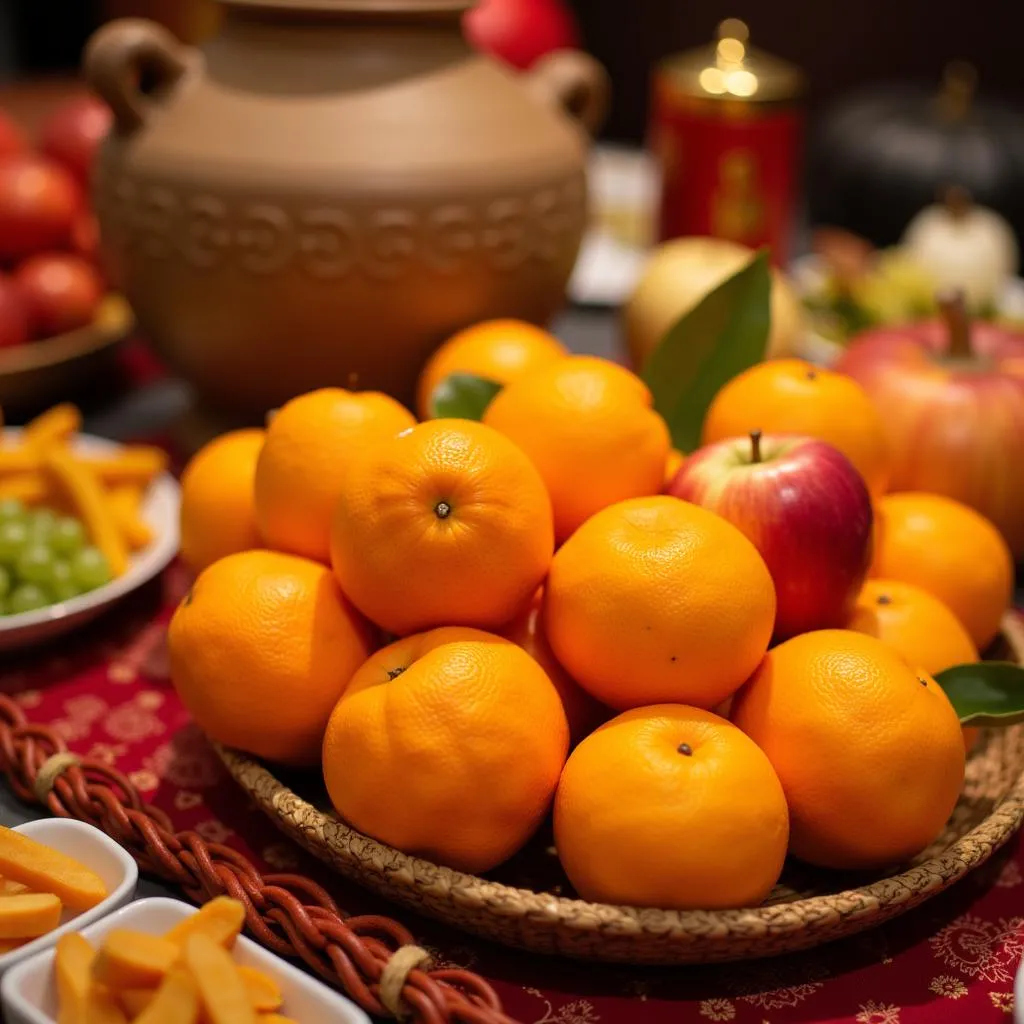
<point x="520" y="32"/>
<point x="72" y="134"/>
<point x="15" y="328"/>
<point x="39" y="202"/>
<point x="804" y="507"/>
<point x="62" y="292"/>
<point x="951" y="397"/>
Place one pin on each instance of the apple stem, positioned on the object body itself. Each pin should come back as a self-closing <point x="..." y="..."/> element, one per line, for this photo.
<point x="954" y="312"/>
<point x="755" y="446"/>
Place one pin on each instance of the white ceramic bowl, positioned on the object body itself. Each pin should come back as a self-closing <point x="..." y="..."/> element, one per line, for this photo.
<point x="96" y="851"/>
<point x="30" y="995"/>
<point x="159" y="510"/>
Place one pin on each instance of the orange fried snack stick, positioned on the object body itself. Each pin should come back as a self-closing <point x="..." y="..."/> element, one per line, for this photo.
<point x="54" y="426"/>
<point x="29" y="915"/>
<point x="221" y="920"/>
<point x="73" y="967"/>
<point x="129" y="959"/>
<point x="49" y="871"/>
<point x="136" y="465"/>
<point x="125" y="501"/>
<point x="176" y="1001"/>
<point x="82" y="488"/>
<point x="222" y="991"/>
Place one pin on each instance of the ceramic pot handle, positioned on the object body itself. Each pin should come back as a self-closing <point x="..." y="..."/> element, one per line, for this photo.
<point x="126" y="52"/>
<point x="576" y="82"/>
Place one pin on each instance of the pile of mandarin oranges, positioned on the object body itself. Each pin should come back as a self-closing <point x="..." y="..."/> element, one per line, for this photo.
<point x="468" y="625"/>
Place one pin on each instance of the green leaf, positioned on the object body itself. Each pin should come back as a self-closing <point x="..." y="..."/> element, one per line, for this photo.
<point x="723" y="335"/>
<point x="463" y="396"/>
<point x="988" y="693"/>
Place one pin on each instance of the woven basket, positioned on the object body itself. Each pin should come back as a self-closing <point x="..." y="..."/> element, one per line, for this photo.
<point x="521" y="906"/>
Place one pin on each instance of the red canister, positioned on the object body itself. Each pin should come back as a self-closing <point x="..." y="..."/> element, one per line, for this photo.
<point x="726" y="129"/>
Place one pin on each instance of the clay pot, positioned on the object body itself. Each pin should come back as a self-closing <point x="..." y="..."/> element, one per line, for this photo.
<point x="329" y="188"/>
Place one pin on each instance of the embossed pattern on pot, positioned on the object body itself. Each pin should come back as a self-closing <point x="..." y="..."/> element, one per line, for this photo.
<point x="156" y="222"/>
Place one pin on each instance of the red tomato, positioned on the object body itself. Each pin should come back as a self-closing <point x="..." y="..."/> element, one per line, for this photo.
<point x="12" y="140"/>
<point x="73" y="132"/>
<point x="520" y="32"/>
<point x="14" y="321"/>
<point x="85" y="236"/>
<point x="39" y="201"/>
<point x="61" y="290"/>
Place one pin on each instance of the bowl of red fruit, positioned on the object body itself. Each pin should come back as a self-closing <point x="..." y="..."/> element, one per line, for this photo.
<point x="59" y="318"/>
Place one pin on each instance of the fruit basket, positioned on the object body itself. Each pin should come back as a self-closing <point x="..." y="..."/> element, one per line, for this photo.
<point x="521" y="904"/>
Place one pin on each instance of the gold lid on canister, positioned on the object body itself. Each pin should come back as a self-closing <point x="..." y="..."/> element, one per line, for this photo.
<point x="730" y="69"/>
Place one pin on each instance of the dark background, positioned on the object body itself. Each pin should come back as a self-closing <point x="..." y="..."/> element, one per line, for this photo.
<point x="839" y="44"/>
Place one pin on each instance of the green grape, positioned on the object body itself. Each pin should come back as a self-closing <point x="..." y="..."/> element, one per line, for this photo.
<point x="90" y="568"/>
<point x="11" y="508"/>
<point x="5" y="583"/>
<point x="41" y="523"/>
<point x="68" y="536"/>
<point x="14" y="539"/>
<point x="27" y="597"/>
<point x="35" y="564"/>
<point x="62" y="586"/>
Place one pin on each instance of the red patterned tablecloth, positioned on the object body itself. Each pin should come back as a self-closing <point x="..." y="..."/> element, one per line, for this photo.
<point x="954" y="959"/>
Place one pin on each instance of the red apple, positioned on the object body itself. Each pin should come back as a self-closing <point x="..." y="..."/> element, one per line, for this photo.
<point x="804" y="507"/>
<point x="14" y="320"/>
<point x="520" y="32"/>
<point x="61" y="291"/>
<point x="951" y="396"/>
<point x="73" y="132"/>
<point x="39" y="202"/>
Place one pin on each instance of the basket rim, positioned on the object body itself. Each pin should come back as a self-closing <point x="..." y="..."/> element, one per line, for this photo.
<point x="964" y="855"/>
<point x="957" y="860"/>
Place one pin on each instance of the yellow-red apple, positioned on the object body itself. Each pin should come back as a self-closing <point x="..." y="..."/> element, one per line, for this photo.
<point x="951" y="395"/>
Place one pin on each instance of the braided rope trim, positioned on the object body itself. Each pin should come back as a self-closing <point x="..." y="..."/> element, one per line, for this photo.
<point x="50" y="771"/>
<point x="395" y="974"/>
<point x="372" y="959"/>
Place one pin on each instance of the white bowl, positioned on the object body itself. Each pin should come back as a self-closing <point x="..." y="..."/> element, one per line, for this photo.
<point x="29" y="992"/>
<point x="160" y="512"/>
<point x="98" y="852"/>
